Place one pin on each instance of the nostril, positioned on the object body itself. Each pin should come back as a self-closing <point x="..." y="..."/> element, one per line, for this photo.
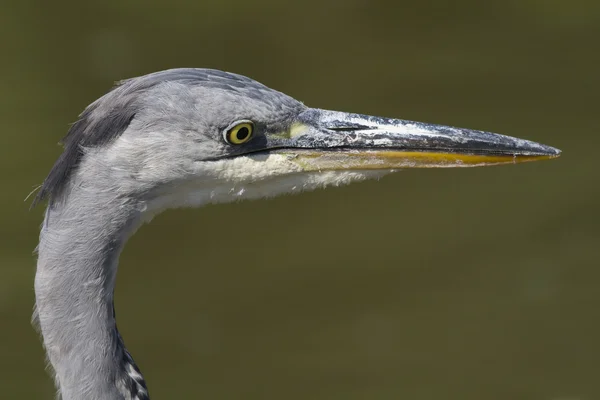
<point x="348" y="127"/>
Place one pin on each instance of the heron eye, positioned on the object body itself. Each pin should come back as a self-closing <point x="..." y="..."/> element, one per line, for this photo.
<point x="240" y="133"/>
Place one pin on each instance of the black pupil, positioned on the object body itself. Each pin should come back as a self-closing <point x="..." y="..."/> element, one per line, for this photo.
<point x="242" y="133"/>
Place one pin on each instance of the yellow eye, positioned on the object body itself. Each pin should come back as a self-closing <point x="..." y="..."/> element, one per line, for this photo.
<point x="239" y="133"/>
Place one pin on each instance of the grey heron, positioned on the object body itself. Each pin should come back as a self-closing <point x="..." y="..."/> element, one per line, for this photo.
<point x="185" y="138"/>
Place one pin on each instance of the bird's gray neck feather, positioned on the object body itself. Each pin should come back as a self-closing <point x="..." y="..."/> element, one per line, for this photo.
<point x="80" y="242"/>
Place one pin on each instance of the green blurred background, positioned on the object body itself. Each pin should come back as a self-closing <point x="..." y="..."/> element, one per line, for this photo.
<point x="429" y="284"/>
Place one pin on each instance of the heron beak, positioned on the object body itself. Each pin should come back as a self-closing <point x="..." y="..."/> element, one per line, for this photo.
<point x="332" y="140"/>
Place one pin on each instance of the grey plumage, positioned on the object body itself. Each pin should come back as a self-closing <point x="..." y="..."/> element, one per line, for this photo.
<point x="109" y="116"/>
<point x="161" y="141"/>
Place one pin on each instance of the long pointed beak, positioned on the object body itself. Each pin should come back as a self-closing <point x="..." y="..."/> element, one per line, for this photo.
<point x="335" y="140"/>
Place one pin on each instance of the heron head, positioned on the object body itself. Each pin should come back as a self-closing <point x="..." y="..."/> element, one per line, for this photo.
<point x="187" y="137"/>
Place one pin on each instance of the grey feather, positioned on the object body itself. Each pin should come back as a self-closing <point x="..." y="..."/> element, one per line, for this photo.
<point x="161" y="141"/>
<point x="147" y="133"/>
<point x="109" y="116"/>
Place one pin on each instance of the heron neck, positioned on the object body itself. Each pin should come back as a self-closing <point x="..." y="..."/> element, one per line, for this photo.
<point x="80" y="243"/>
